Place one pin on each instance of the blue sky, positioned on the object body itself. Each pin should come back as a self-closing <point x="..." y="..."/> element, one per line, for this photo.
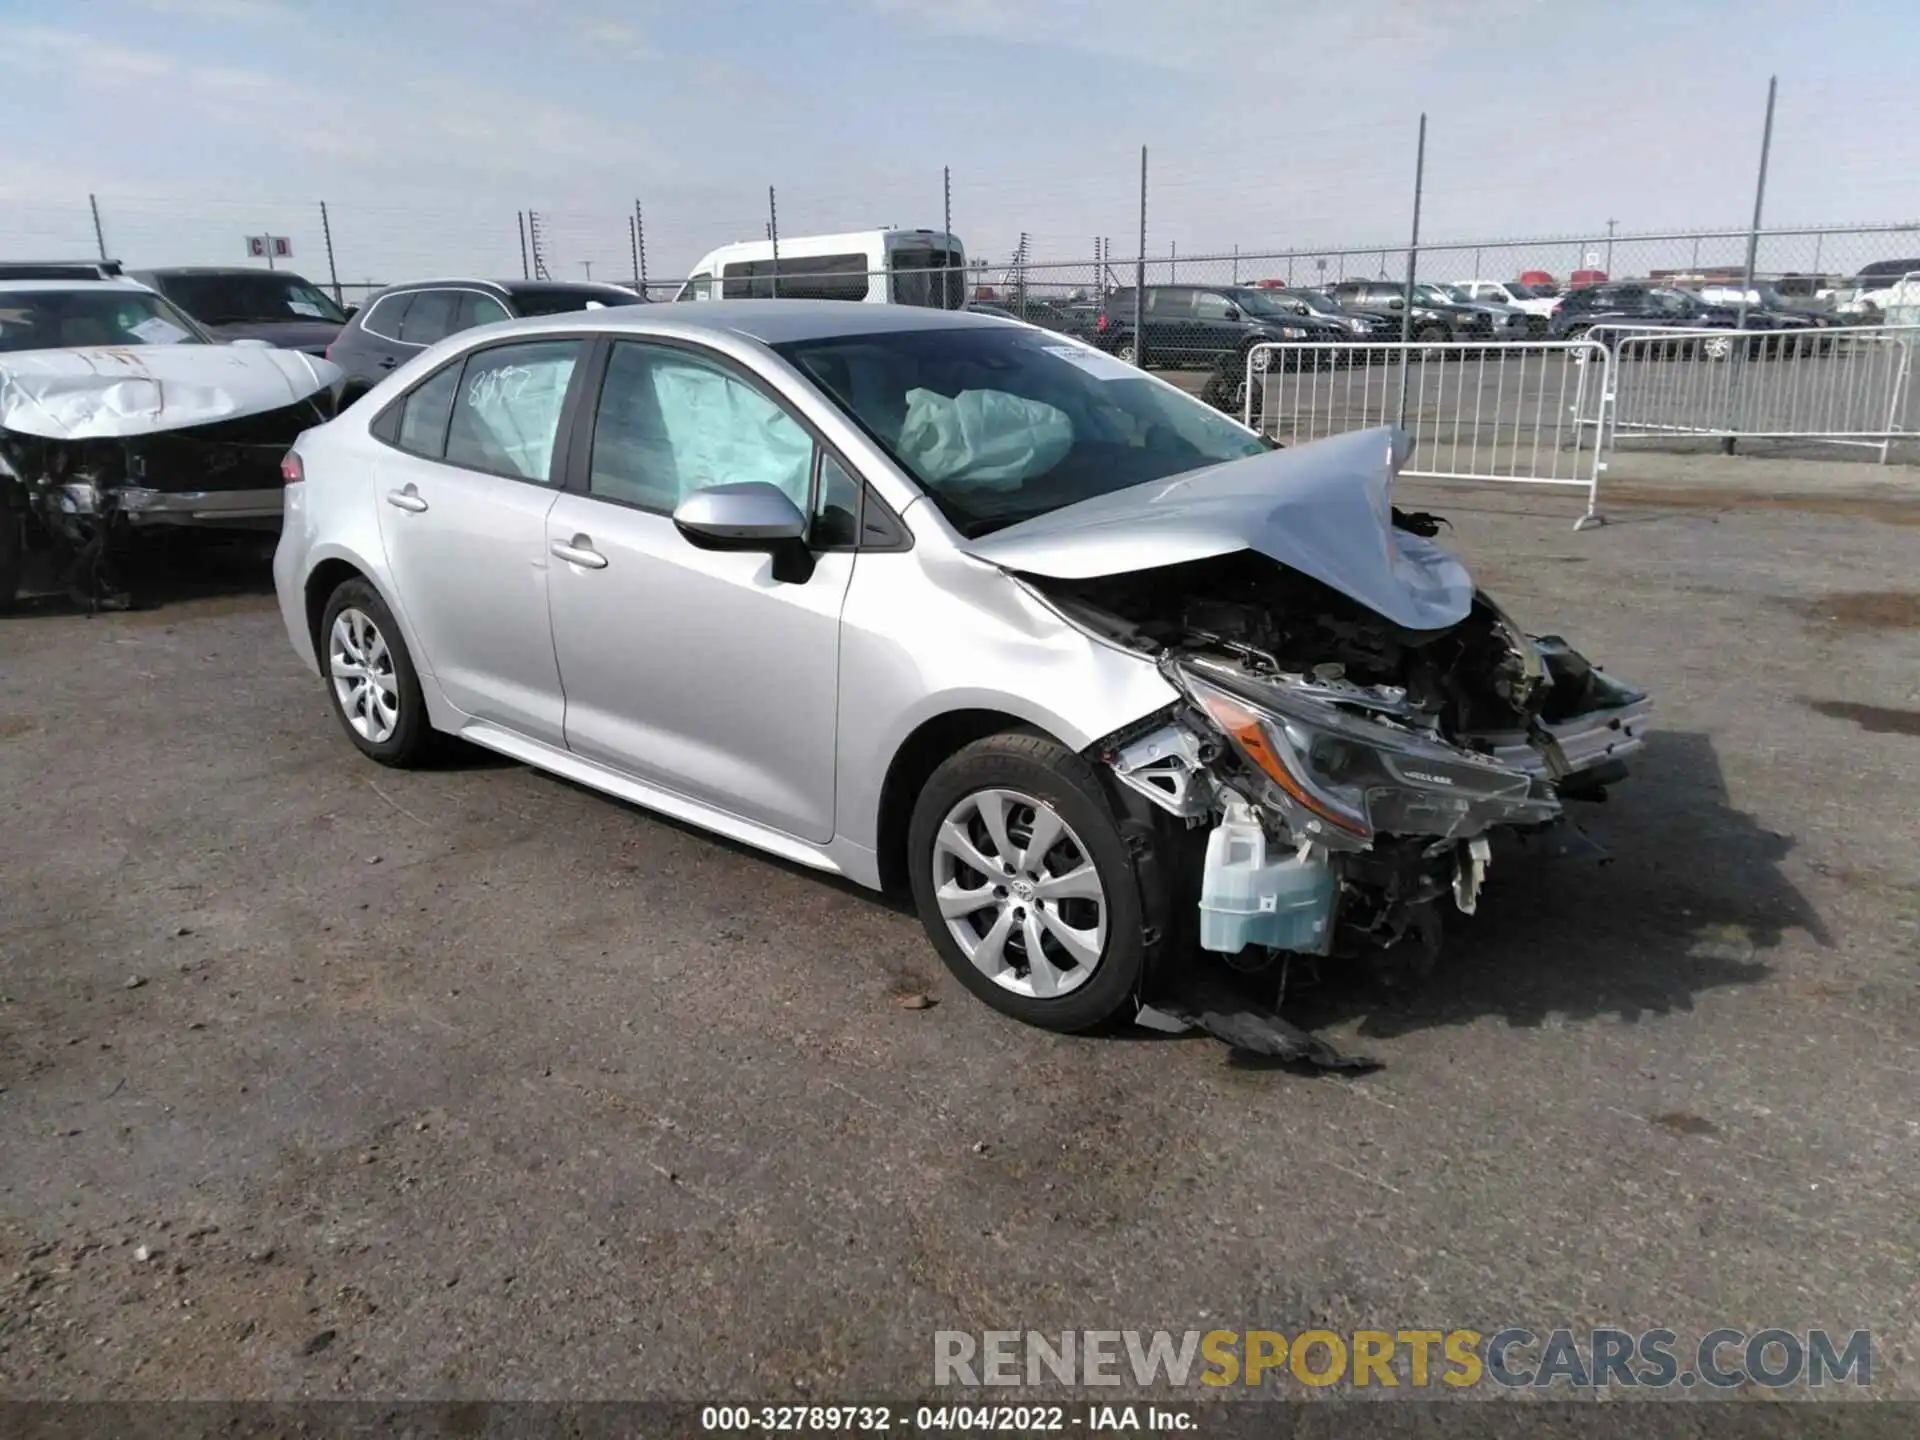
<point x="426" y="125"/>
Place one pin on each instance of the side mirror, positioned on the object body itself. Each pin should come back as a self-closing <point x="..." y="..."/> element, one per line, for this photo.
<point x="1233" y="312"/>
<point x="1396" y="302"/>
<point x="748" y="515"/>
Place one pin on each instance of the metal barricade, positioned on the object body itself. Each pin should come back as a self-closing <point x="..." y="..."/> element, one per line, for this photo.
<point x="1507" y="413"/>
<point x="1843" y="385"/>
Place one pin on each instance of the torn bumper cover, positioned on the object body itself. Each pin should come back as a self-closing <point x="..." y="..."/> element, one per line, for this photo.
<point x="98" y="443"/>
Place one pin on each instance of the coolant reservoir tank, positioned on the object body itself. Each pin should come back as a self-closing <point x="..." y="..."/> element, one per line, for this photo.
<point x="1247" y="897"/>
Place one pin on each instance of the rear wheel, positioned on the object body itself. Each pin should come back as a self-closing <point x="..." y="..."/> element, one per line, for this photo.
<point x="1024" y="883"/>
<point x="370" y="677"/>
<point x="1126" y="353"/>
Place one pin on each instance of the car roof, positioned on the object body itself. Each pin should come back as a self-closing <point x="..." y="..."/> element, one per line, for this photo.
<point x="171" y="270"/>
<point x="77" y="283"/>
<point x="538" y="287"/>
<point x="771" y="322"/>
<point x="506" y="288"/>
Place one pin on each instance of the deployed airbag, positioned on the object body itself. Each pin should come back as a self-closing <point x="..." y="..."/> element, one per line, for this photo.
<point x="982" y="437"/>
<point x="720" y="432"/>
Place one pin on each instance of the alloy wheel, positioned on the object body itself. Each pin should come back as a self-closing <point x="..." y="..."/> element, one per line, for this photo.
<point x="365" y="684"/>
<point x="1020" y="893"/>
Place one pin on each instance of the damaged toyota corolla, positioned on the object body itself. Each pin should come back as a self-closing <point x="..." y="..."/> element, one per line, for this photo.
<point x="1124" y="694"/>
<point x="118" y="413"/>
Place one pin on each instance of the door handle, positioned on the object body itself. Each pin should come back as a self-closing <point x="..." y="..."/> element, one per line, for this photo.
<point x="580" y="551"/>
<point x="387" y="362"/>
<point x="407" y="499"/>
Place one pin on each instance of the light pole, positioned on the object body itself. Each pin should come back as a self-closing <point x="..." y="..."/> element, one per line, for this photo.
<point x="1610" y="225"/>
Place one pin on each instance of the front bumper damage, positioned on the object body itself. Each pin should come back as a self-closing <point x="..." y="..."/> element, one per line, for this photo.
<point x="1341" y="821"/>
<point x="97" y="446"/>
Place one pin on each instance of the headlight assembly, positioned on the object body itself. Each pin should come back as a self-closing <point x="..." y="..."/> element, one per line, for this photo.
<point x="1346" y="778"/>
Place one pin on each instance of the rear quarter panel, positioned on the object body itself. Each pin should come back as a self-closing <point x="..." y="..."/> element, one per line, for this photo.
<point x="333" y="516"/>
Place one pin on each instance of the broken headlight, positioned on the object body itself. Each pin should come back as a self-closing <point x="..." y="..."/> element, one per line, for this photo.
<point x="1342" y="777"/>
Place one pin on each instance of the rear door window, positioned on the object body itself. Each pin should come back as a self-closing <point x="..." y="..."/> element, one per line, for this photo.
<point x="930" y="277"/>
<point x="424" y="412"/>
<point x="478" y="309"/>
<point x="431" y="317"/>
<point x="507" y="410"/>
<point x="389" y="313"/>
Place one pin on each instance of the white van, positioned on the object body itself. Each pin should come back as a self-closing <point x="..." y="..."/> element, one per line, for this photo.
<point x="900" y="267"/>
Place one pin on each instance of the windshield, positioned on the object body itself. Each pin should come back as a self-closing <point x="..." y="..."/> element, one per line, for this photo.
<point x="1314" y="300"/>
<point x="1458" y="294"/>
<point x="68" y="319"/>
<point x="999" y="425"/>
<point x="257" y="296"/>
<point x="1264" y="302"/>
<point x="1431" y="295"/>
<point x="1540" y="290"/>
<point x="564" y="301"/>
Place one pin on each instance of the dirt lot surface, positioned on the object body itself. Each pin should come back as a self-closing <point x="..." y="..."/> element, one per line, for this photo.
<point x="322" y="1080"/>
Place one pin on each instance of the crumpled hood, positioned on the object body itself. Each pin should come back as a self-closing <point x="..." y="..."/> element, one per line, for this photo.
<point x="105" y="392"/>
<point x="1323" y="509"/>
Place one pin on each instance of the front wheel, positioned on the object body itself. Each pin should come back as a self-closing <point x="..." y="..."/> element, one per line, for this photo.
<point x="1024" y="883"/>
<point x="1432" y="339"/>
<point x="371" y="680"/>
<point x="1126" y="353"/>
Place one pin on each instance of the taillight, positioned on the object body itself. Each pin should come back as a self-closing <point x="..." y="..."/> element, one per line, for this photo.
<point x="290" y="471"/>
<point x="1101" y="323"/>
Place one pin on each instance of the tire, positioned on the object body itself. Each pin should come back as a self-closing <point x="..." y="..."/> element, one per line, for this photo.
<point x="1080" y="985"/>
<point x="358" y="622"/>
<point x="13" y="543"/>
<point x="1126" y="353"/>
<point x="1717" y="347"/>
<point x="1430" y="336"/>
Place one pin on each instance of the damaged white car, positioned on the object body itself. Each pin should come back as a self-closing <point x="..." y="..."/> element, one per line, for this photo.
<point x="118" y="412"/>
<point x="1120" y="691"/>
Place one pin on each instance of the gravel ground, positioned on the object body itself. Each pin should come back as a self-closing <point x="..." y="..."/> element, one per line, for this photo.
<point x="322" y="1080"/>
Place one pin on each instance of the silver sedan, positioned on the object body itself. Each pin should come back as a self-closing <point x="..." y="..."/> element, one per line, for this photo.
<point x="1115" y="687"/>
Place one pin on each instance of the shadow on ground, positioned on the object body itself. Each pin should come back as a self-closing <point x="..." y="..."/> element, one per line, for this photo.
<point x="163" y="568"/>
<point x="1690" y="901"/>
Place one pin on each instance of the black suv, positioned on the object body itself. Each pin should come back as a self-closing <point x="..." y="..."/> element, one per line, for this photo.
<point x="1437" y="316"/>
<point x="1662" y="307"/>
<point x="399" y="322"/>
<point x="1207" y="326"/>
<point x="237" y="302"/>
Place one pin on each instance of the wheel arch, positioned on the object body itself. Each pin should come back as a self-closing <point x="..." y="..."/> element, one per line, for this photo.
<point x="330" y="569"/>
<point x="923" y="751"/>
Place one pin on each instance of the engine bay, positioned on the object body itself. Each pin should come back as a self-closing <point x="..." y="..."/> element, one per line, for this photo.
<point x="1349" y="771"/>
